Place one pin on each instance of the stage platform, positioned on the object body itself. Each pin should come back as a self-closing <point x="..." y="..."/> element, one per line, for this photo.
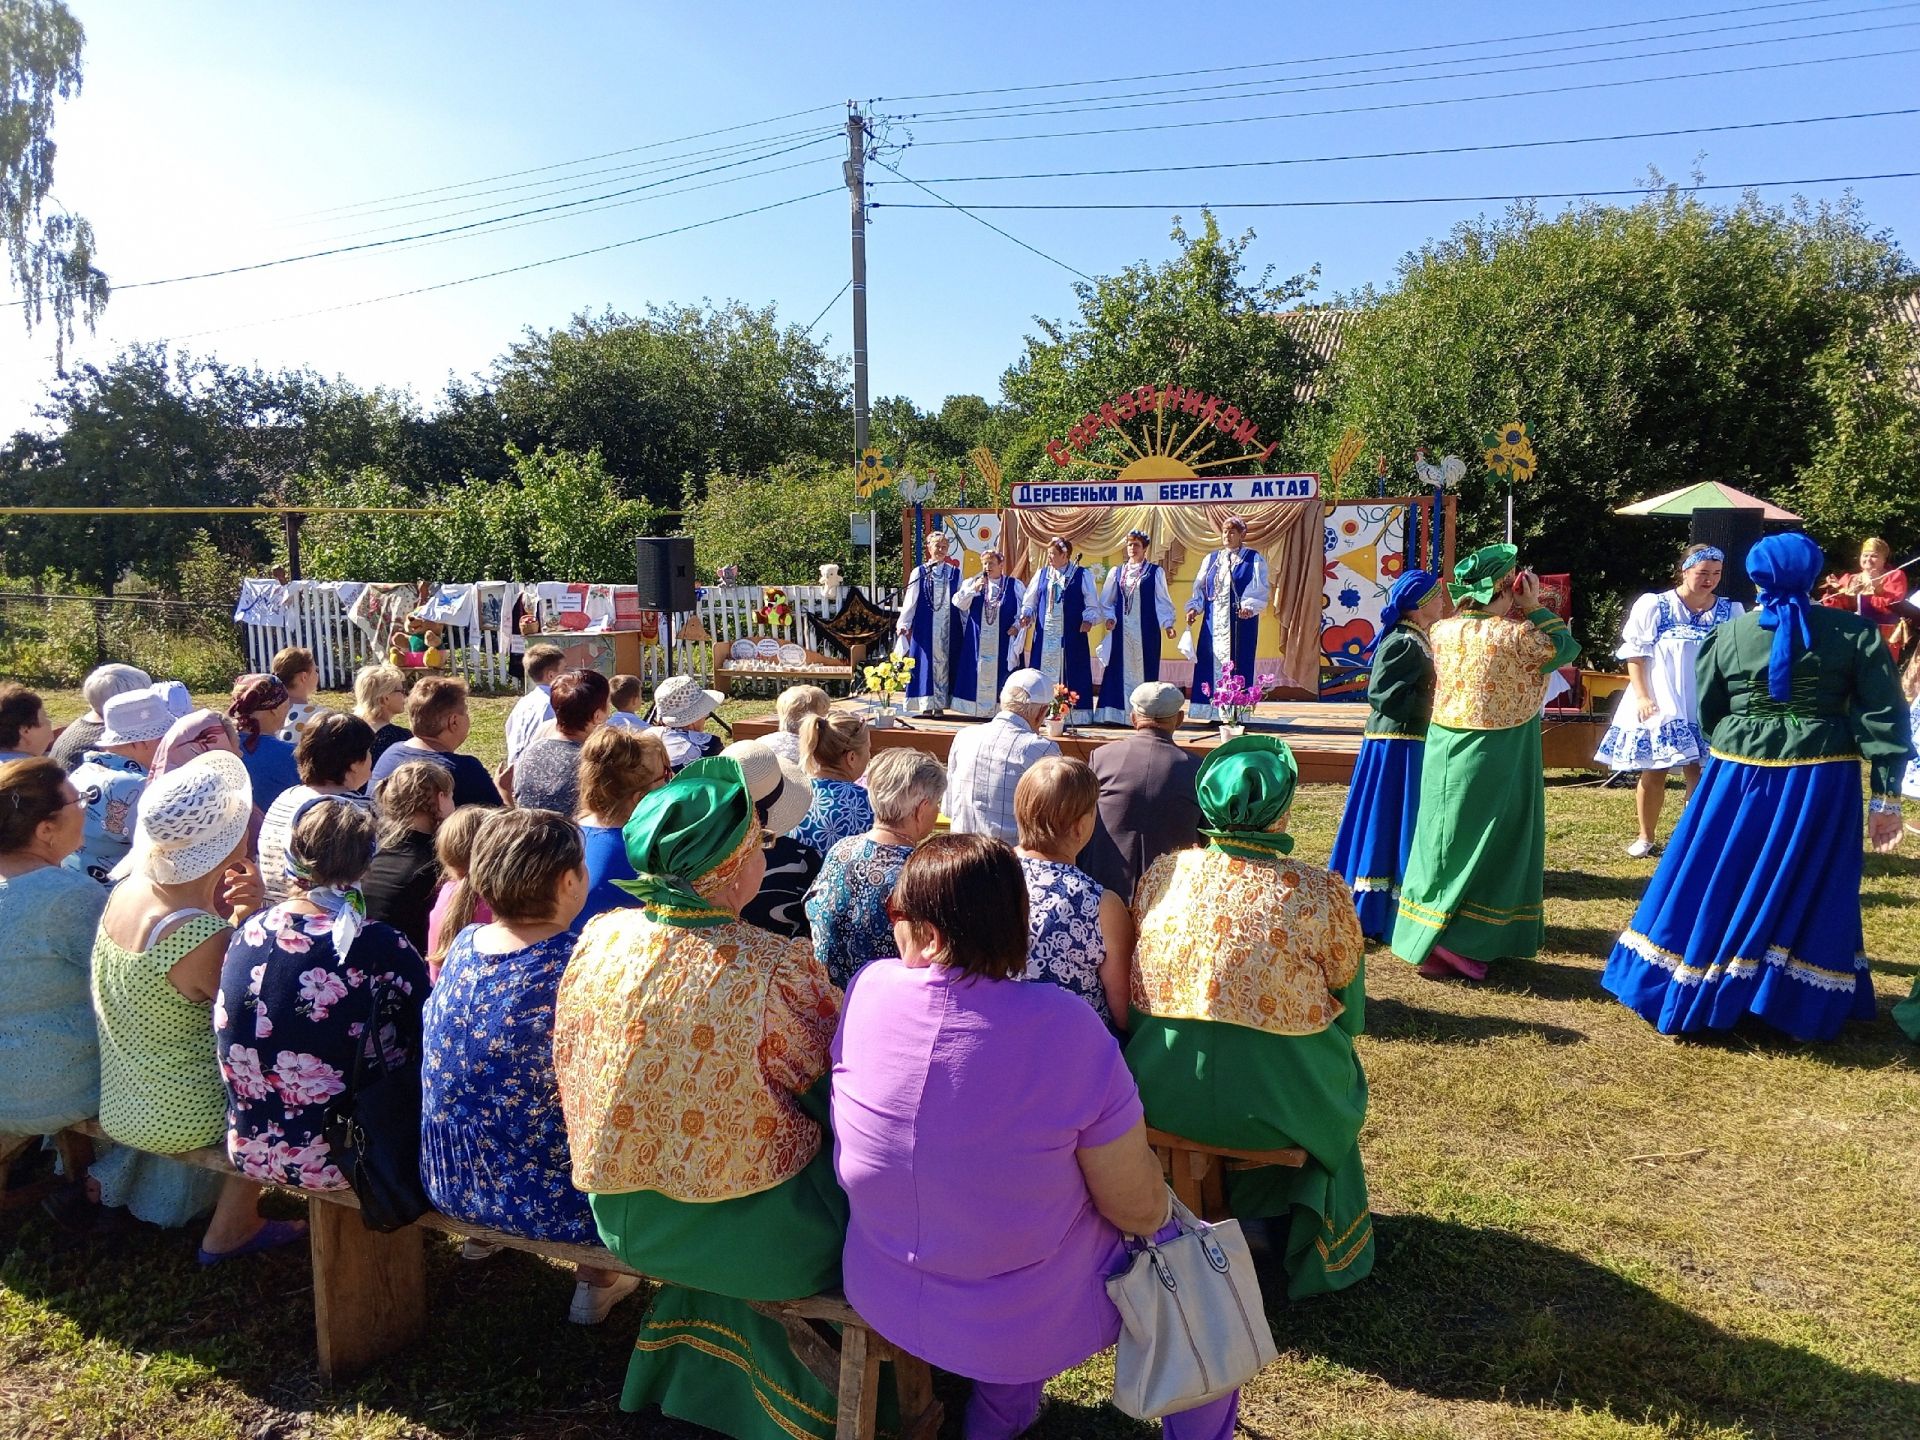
<point x="1325" y="736"/>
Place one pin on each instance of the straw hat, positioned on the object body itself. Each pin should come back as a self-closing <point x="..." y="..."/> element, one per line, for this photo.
<point x="778" y="785"/>
<point x="679" y="700"/>
<point x="192" y="819"/>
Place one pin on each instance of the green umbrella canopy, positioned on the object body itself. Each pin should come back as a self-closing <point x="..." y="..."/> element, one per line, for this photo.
<point x="1704" y="495"/>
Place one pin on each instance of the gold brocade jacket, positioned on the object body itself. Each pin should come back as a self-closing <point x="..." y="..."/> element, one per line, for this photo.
<point x="679" y="1052"/>
<point x="1487" y="671"/>
<point x="1259" y="943"/>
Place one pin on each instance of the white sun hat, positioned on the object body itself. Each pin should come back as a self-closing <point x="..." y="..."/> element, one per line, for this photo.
<point x="781" y="786"/>
<point x="133" y="716"/>
<point x="192" y="819"/>
<point x="679" y="700"/>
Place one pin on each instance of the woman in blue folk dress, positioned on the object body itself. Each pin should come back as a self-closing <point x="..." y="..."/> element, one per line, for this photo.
<point x="987" y="610"/>
<point x="1376" y="828"/>
<point x="1228" y="595"/>
<point x="1059" y="608"/>
<point x="1657" y="724"/>
<point x="1755" y="908"/>
<point x="1139" y="611"/>
<point x="928" y="630"/>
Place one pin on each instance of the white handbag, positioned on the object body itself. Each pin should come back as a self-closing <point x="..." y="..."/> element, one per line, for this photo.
<point x="1193" y="1326"/>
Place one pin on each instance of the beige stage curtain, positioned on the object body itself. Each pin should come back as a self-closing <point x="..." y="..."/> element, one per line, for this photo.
<point x="1290" y="533"/>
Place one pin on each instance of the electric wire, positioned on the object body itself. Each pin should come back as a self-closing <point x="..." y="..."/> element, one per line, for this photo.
<point x="828" y="306"/>
<point x="964" y="210"/>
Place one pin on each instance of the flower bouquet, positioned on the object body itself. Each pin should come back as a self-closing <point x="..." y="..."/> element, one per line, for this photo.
<point x="887" y="679"/>
<point x="1058" y="708"/>
<point x="775" y="611"/>
<point x="1234" y="698"/>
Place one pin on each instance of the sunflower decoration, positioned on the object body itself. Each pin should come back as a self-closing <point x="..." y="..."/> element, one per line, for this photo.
<point x="870" y="473"/>
<point x="1508" y="452"/>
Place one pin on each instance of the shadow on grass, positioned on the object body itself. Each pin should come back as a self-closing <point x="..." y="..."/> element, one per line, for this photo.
<point x="1584" y="885"/>
<point x="1389" y="1019"/>
<point x="1551" y="979"/>
<point x="1465" y="1313"/>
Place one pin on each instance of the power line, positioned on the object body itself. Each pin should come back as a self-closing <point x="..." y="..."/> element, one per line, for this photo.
<point x="1410" y="154"/>
<point x="1401" y="199"/>
<point x="511" y="269"/>
<point x="1254" y="89"/>
<point x="828" y="306"/>
<point x="1356" y="54"/>
<point x="955" y="205"/>
<point x="1079" y="108"/>
<point x="1502" y="96"/>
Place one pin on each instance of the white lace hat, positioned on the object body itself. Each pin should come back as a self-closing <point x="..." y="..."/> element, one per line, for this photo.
<point x="680" y="700"/>
<point x="192" y="819"/>
<point x="779" y="785"/>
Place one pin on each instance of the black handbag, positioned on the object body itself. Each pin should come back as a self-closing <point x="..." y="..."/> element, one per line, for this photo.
<point x="374" y="1134"/>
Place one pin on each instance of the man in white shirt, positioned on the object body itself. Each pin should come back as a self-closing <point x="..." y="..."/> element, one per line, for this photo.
<point x="533" y="709"/>
<point x="986" y="761"/>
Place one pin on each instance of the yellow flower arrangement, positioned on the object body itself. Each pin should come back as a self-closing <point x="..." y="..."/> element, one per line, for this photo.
<point x="891" y="676"/>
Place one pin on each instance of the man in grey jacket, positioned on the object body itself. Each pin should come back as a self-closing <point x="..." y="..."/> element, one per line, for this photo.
<point x="1147" y="803"/>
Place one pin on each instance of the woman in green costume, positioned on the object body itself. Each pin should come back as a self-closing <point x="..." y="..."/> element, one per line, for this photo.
<point x="1247" y="993"/>
<point x="1475" y="881"/>
<point x="692" y="1053"/>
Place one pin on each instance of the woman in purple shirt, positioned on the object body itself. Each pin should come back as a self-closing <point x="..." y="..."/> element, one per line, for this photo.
<point x="990" y="1141"/>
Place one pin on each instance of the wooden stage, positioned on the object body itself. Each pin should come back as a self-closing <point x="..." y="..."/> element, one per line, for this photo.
<point x="1325" y="736"/>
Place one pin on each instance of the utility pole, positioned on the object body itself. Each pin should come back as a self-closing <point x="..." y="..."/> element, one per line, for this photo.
<point x="856" y="173"/>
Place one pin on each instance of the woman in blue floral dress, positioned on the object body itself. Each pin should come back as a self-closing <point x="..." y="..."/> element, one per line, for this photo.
<point x="1079" y="933"/>
<point x="493" y="1143"/>
<point x="297" y="989"/>
<point x="834" y="749"/>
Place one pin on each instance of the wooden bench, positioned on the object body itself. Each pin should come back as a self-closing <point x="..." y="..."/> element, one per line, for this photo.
<point x="1198" y="1173"/>
<point x="370" y="1300"/>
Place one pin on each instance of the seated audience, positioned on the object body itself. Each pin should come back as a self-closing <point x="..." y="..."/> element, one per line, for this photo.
<point x="781" y="794"/>
<point x="847" y="906"/>
<point x="547" y="774"/>
<point x="49" y="1053"/>
<point x="302" y="986"/>
<point x="334" y="757"/>
<point x="493" y="1143"/>
<point x="624" y="695"/>
<point x="986" y="762"/>
<point x="533" y="709"/>
<point x="1247" y="993"/>
<point x="110" y="777"/>
<point x="258" y="712"/>
<point x="1146" y="792"/>
<point x="691" y="1050"/>
<point x="617" y="767"/>
<point x="437" y="711"/>
<point x="681" y="709"/>
<point x="834" y="751"/>
<point x="25" y="730"/>
<point x="156" y="971"/>
<point x="379" y="697"/>
<point x="1079" y="934"/>
<point x="413" y="802"/>
<point x="99" y="687"/>
<point x="294" y="667"/>
<point x="455" y="905"/>
<point x="796" y="702"/>
<point x="983" y="1228"/>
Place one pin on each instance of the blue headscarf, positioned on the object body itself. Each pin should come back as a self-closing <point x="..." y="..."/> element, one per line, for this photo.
<point x="1406" y="596"/>
<point x="1783" y="569"/>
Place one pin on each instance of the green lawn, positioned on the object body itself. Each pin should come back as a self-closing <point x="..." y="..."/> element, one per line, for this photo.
<point x="1586" y="1232"/>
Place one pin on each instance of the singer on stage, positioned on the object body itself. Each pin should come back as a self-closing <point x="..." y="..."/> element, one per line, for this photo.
<point x="926" y="629"/>
<point x="1139" y="612"/>
<point x="1059" y="608"/>
<point x="987" y="610"/>
<point x="1228" y="595"/>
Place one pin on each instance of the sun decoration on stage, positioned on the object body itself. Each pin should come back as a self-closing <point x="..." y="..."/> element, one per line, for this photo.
<point x="1160" y="432"/>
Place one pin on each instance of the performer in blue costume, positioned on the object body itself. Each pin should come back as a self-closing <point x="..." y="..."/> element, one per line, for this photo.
<point x="1755" y="907"/>
<point x="1376" y="829"/>
<point x="927" y="627"/>
<point x="1139" y="611"/>
<point x="1059" y="608"/>
<point x="1228" y="595"/>
<point x="987" y="610"/>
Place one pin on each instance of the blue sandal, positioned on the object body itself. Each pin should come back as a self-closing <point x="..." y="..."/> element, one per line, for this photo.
<point x="270" y="1236"/>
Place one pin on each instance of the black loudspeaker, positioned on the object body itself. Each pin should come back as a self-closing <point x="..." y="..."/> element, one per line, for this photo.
<point x="1733" y="532"/>
<point x="663" y="567"/>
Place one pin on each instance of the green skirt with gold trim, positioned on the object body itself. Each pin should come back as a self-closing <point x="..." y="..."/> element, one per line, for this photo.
<point x="704" y="1355"/>
<point x="1475" y="879"/>
<point x="1223" y="1084"/>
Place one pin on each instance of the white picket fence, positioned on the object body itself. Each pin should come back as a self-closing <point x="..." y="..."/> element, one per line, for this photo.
<point x="317" y="620"/>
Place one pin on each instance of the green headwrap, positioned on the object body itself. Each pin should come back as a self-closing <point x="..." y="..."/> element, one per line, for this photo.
<point x="698" y="822"/>
<point x="1244" y="787"/>
<point x="1476" y="577"/>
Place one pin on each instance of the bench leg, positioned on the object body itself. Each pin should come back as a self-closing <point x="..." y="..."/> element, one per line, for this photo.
<point x="859" y="1385"/>
<point x="920" y="1413"/>
<point x="369" y="1290"/>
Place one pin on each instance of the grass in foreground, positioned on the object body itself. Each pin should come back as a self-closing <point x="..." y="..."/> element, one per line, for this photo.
<point x="1586" y="1232"/>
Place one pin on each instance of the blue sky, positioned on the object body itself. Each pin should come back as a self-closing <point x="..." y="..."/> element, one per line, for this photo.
<point x="209" y="134"/>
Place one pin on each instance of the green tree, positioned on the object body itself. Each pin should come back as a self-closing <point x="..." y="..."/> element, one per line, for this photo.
<point x="782" y="524"/>
<point x="1197" y="319"/>
<point x="1645" y="347"/>
<point x="50" y="255"/>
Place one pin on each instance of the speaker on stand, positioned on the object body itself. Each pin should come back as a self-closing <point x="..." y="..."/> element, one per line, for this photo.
<point x="663" y="574"/>
<point x="1732" y="532"/>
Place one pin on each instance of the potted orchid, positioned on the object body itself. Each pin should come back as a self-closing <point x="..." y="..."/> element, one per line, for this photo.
<point x="1234" y="699"/>
<point x="887" y="679"/>
<point x="1058" y="707"/>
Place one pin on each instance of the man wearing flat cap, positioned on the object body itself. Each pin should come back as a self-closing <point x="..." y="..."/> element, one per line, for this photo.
<point x="1147" y="804"/>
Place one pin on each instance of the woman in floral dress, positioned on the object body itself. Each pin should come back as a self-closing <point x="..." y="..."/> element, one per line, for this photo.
<point x="847" y="903"/>
<point x="299" y="985"/>
<point x="834" y="750"/>
<point x="1079" y="934"/>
